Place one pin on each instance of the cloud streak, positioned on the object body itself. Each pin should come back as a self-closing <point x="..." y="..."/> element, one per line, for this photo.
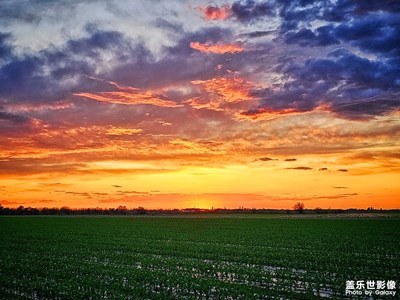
<point x="216" y="48"/>
<point x="300" y="168"/>
<point x="129" y="98"/>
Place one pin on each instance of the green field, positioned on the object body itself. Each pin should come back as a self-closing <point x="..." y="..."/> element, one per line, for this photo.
<point x="208" y="258"/>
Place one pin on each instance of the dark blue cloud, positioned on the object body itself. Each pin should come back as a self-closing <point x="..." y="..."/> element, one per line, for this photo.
<point x="98" y="40"/>
<point x="5" y="47"/>
<point x="364" y="83"/>
<point x="378" y="33"/>
<point x="20" y="74"/>
<point x="375" y="32"/>
<point x="294" y="14"/>
<point x="47" y="75"/>
<point x="306" y="37"/>
<point x="250" y="10"/>
<point x="346" y="9"/>
<point x="180" y="63"/>
<point x="56" y="73"/>
<point x="354" y="87"/>
<point x="11" y="124"/>
<point x="356" y="71"/>
<point x="12" y="117"/>
<point x="332" y="11"/>
<point x="256" y="34"/>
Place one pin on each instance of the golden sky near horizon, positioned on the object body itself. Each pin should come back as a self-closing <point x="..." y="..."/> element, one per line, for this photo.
<point x="227" y="104"/>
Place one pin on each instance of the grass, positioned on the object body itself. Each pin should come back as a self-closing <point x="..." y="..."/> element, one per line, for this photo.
<point x="160" y="257"/>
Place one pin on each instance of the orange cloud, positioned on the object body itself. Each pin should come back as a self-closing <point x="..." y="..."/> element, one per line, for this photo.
<point x="217" y="48"/>
<point x="215" y="12"/>
<point x="128" y="95"/>
<point x="129" y="98"/>
<point x="199" y="103"/>
<point x="6" y="202"/>
<point x="229" y="89"/>
<point x="222" y="94"/>
<point x="122" y="131"/>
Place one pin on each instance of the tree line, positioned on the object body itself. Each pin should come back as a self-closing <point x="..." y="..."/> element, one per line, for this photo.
<point x="298" y="208"/>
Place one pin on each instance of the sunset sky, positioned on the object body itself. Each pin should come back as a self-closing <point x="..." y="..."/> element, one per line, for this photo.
<point x="175" y="104"/>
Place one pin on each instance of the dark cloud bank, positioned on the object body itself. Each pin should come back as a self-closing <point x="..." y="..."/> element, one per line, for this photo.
<point x="358" y="79"/>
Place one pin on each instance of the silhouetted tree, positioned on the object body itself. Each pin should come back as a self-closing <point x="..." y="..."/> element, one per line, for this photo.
<point x="141" y="210"/>
<point x="65" y="210"/>
<point x="318" y="210"/>
<point x="299" y="207"/>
